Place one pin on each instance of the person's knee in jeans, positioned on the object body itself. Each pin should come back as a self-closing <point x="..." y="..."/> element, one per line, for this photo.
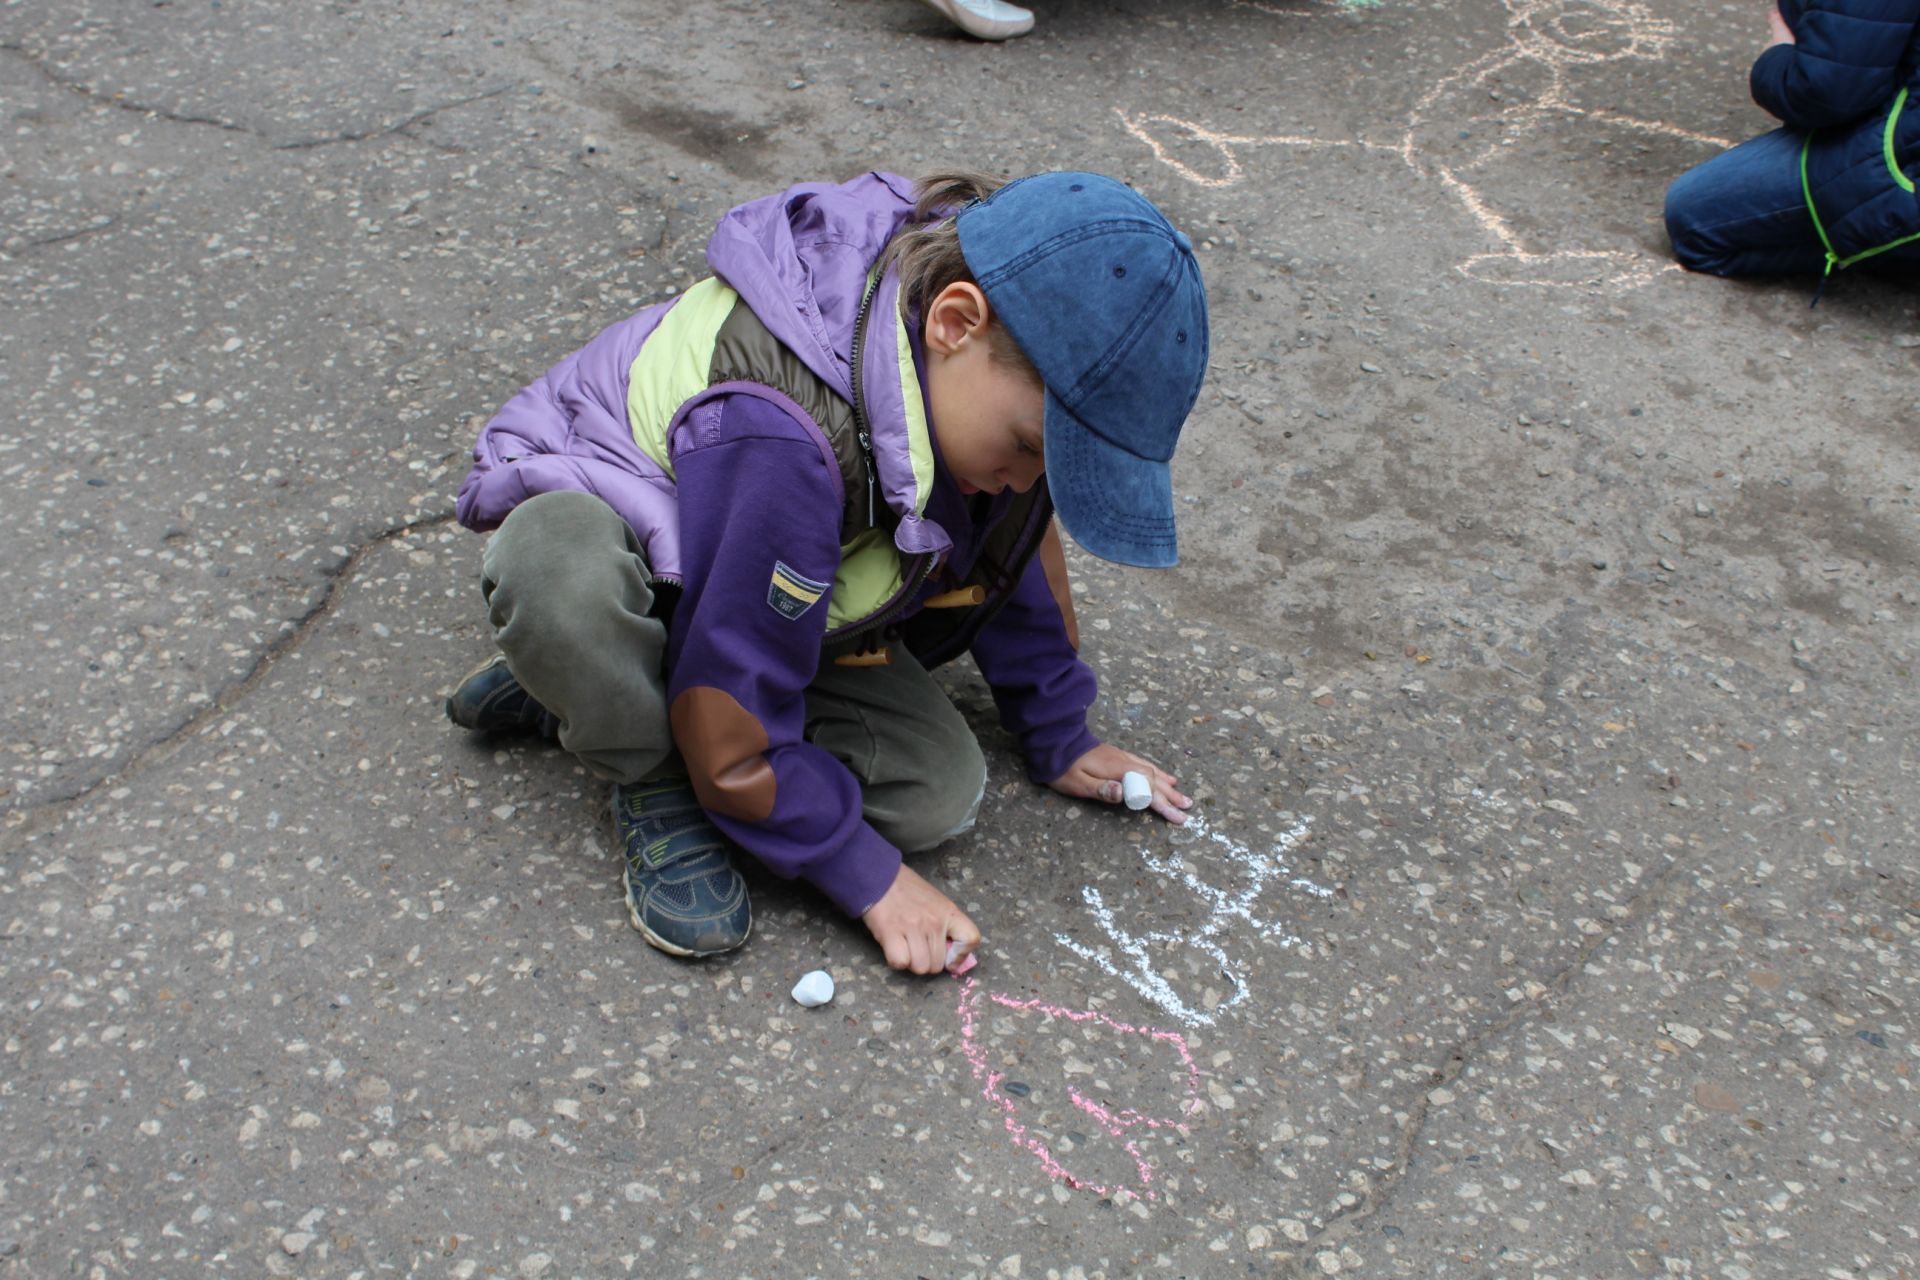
<point x="1694" y="247"/>
<point x="933" y="810"/>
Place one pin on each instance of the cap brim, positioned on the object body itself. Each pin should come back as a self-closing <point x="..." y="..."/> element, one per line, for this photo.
<point x="1116" y="504"/>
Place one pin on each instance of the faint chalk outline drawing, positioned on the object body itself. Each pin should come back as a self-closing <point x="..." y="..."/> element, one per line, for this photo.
<point x="1126" y="1125"/>
<point x="1320" y="9"/>
<point x="1547" y="38"/>
<point x="1130" y="957"/>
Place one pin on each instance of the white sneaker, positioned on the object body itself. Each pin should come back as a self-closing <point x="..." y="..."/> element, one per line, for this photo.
<point x="986" y="19"/>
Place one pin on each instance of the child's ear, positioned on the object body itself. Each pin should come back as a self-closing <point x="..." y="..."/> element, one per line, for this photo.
<point x="957" y="312"/>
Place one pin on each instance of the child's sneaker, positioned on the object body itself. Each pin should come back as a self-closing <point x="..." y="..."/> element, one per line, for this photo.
<point x="986" y="19"/>
<point x="489" y="700"/>
<point x="683" y="892"/>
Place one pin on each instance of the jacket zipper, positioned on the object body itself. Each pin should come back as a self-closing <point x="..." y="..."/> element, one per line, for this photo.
<point x="859" y="400"/>
<point x="924" y="567"/>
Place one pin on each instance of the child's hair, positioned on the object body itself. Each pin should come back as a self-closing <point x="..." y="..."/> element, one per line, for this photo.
<point x="927" y="254"/>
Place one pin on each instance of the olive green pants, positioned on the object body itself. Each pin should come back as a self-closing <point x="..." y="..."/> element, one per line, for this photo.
<point x="571" y="601"/>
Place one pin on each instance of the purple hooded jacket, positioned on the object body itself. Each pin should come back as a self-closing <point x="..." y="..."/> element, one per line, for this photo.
<point x="751" y="486"/>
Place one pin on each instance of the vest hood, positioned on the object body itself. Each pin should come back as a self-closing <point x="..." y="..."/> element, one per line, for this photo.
<point x="801" y="260"/>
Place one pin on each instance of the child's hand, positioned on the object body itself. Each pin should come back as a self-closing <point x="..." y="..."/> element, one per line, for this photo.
<point x="914" y="922"/>
<point x="1096" y="776"/>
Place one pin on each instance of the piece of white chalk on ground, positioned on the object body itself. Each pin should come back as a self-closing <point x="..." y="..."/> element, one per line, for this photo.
<point x="1137" y="790"/>
<point x="814" y="990"/>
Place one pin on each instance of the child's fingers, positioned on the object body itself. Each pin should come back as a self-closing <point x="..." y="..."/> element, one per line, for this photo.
<point x="1172" y="812"/>
<point x="1087" y="785"/>
<point x="959" y="937"/>
<point x="1168" y="802"/>
<point x="899" y="954"/>
<point x="962" y="932"/>
<point x="1161" y="778"/>
<point x="929" y="956"/>
<point x="1165" y="785"/>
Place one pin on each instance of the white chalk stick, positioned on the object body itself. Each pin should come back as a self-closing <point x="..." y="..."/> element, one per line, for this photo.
<point x="813" y="990"/>
<point x="1136" y="789"/>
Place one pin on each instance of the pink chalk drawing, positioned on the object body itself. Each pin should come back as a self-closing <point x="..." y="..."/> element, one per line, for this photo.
<point x="1126" y="1125"/>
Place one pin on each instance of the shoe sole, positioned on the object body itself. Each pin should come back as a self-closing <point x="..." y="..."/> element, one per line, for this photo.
<point x="685" y="953"/>
<point x="978" y="27"/>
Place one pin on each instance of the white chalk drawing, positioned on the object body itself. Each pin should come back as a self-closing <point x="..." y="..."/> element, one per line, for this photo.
<point x="1130" y="957"/>
<point x="1468" y="121"/>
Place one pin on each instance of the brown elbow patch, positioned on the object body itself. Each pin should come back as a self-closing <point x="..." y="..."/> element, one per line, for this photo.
<point x="725" y="750"/>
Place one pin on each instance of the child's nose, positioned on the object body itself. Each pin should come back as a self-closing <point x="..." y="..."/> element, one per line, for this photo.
<point x="1024" y="475"/>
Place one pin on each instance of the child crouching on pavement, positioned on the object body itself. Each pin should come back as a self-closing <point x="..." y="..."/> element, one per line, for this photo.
<point x="735" y="531"/>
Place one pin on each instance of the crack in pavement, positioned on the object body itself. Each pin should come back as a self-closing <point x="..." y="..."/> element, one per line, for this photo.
<point x="13" y="247"/>
<point x="123" y="103"/>
<point x="92" y="94"/>
<point x="38" y="819"/>
<point x="1342" y="1227"/>
<point x="423" y="114"/>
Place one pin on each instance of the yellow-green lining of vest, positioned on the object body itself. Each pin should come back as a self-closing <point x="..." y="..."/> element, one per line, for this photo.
<point x="919" y="435"/>
<point x="869" y="575"/>
<point x="870" y="570"/>
<point x="674" y="364"/>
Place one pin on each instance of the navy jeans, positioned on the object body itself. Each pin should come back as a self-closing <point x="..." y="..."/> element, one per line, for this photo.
<point x="1743" y="213"/>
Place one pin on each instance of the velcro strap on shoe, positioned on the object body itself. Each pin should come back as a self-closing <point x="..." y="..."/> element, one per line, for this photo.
<point x="684" y="845"/>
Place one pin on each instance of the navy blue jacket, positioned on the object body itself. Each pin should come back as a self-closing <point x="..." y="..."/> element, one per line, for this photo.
<point x="1846" y="81"/>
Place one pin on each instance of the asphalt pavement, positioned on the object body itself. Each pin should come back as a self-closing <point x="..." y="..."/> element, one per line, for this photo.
<point x="1542" y="657"/>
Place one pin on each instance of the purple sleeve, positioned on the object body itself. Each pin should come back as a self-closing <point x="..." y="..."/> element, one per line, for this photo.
<point x="1844" y="62"/>
<point x="756" y="499"/>
<point x="1042" y="688"/>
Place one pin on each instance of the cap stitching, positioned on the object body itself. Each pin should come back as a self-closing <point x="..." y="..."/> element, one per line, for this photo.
<point x="1149" y="312"/>
<point x="1105" y="516"/>
<point x="1108" y="440"/>
<point x="1071" y="236"/>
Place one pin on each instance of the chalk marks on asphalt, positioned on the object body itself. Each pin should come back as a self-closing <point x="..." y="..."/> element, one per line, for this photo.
<point x="1037" y="1122"/>
<point x="1142" y="1089"/>
<point x="1130" y="955"/>
<point x="1306" y="8"/>
<point x="1461" y="129"/>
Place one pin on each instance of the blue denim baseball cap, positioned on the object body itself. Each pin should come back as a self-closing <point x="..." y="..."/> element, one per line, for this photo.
<point x="1104" y="297"/>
